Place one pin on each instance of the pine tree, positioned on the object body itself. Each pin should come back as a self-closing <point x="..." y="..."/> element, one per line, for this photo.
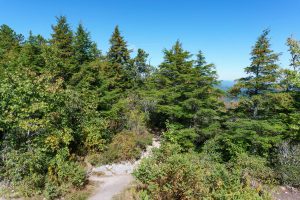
<point x="294" y="49"/>
<point x="31" y="53"/>
<point x="118" y="52"/>
<point x="142" y="70"/>
<point x="59" y="56"/>
<point x="120" y="71"/>
<point x="183" y="95"/>
<point x="262" y="87"/>
<point x="85" y="49"/>
<point x="263" y="70"/>
<point x="290" y="78"/>
<point x="206" y="71"/>
<point x="10" y="45"/>
<point x="62" y="37"/>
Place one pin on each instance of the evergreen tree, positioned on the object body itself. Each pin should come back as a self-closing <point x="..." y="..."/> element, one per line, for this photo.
<point x="290" y="78"/>
<point x="62" y="37"/>
<point x="263" y="70"/>
<point x="206" y="71"/>
<point x="118" y="51"/>
<point x="142" y="70"/>
<point x="120" y="71"/>
<point x="60" y="55"/>
<point x="85" y="49"/>
<point x="181" y="94"/>
<point x="31" y="53"/>
<point x="263" y="74"/>
<point x="294" y="49"/>
<point x="10" y="45"/>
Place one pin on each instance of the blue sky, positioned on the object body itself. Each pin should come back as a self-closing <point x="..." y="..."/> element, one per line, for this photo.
<point x="224" y="30"/>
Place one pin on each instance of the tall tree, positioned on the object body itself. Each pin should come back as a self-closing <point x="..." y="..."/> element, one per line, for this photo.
<point x="142" y="70"/>
<point x="85" y="49"/>
<point x="62" y="37"/>
<point x="294" y="49"/>
<point x="263" y="70"/>
<point x="31" y="53"/>
<point x="290" y="78"/>
<point x="206" y="71"/>
<point x="182" y="95"/>
<point x="120" y="70"/>
<point x="261" y="86"/>
<point x="10" y="44"/>
<point x="59" y="56"/>
<point x="118" y="51"/>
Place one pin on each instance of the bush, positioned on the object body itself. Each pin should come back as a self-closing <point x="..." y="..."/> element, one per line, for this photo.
<point x="125" y="146"/>
<point x="177" y="135"/>
<point x="170" y="174"/>
<point x="25" y="170"/>
<point x="287" y="163"/>
<point x="177" y="178"/>
<point x="52" y="191"/>
<point x="253" y="168"/>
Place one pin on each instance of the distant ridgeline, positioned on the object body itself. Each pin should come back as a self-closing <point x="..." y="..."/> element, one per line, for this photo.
<point x="225" y="84"/>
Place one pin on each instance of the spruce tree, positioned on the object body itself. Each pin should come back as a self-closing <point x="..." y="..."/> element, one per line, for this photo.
<point x="59" y="55"/>
<point x="263" y="70"/>
<point x="31" y="53"/>
<point x="142" y="70"/>
<point x="290" y="78"/>
<point x="118" y="51"/>
<point x="85" y="49"/>
<point x="62" y="37"/>
<point x="182" y="93"/>
<point x="120" y="71"/>
<point x="294" y="49"/>
<point x="10" y="45"/>
<point x="206" y="71"/>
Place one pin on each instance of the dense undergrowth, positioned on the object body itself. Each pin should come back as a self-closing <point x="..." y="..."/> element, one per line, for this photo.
<point x="63" y="102"/>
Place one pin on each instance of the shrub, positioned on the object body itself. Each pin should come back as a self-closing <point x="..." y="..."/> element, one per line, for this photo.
<point x="177" y="135"/>
<point x="25" y="170"/>
<point x="287" y="163"/>
<point x="170" y="174"/>
<point x="125" y="146"/>
<point x="177" y="178"/>
<point x="52" y="191"/>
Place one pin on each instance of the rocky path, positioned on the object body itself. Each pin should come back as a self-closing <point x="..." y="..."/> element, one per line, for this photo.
<point x="116" y="177"/>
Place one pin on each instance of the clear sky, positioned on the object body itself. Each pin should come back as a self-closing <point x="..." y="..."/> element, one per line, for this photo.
<point x="224" y="30"/>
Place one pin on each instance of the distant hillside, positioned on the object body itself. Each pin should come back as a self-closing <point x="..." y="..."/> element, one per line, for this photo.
<point x="226" y="84"/>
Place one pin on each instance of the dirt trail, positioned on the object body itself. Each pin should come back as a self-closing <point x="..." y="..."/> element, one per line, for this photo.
<point x="116" y="177"/>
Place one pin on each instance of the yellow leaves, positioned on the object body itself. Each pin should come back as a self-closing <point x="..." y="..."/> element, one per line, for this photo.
<point x="59" y="139"/>
<point x="67" y="136"/>
<point x="32" y="124"/>
<point x="52" y="142"/>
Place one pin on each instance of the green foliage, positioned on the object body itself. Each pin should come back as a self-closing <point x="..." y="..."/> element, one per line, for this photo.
<point x="85" y="49"/>
<point x="172" y="175"/>
<point x="287" y="163"/>
<point x="142" y="70"/>
<point x="184" y="137"/>
<point x="31" y="56"/>
<point x="124" y="149"/>
<point x="62" y="37"/>
<point x="256" y="137"/>
<point x="263" y="71"/>
<point x="184" y="92"/>
<point x="62" y="48"/>
<point x="10" y="45"/>
<point x="61" y="100"/>
<point x="120" y="70"/>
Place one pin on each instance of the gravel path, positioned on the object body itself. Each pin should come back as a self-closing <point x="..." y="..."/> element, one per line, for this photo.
<point x="116" y="177"/>
<point x="110" y="186"/>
